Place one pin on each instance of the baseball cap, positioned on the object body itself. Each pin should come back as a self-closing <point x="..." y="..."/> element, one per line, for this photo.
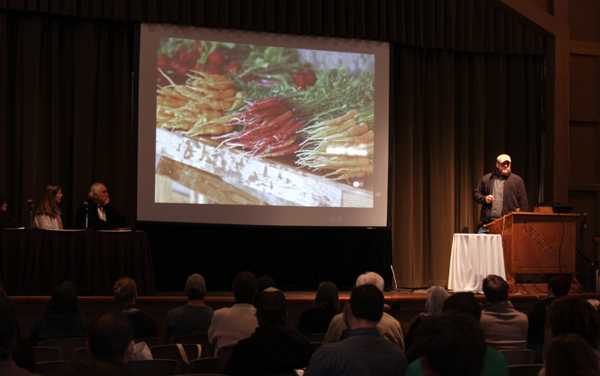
<point x="503" y="158"/>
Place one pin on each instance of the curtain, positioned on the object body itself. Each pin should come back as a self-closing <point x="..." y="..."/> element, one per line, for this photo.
<point x="455" y="113"/>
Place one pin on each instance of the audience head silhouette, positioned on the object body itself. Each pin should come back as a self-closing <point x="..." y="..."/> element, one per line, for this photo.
<point x="575" y="315"/>
<point x="8" y="329"/>
<point x="366" y="306"/>
<point x="244" y="287"/>
<point x="560" y="285"/>
<point x="570" y="354"/>
<point x="109" y="338"/>
<point x="125" y="292"/>
<point x="328" y="296"/>
<point x="495" y="289"/>
<point x="64" y="299"/>
<point x="465" y="303"/>
<point x="195" y="287"/>
<point x="436" y="296"/>
<point x="371" y="278"/>
<point x="271" y="307"/>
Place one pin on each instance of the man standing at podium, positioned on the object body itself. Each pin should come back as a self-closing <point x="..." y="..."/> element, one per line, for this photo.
<point x="500" y="192"/>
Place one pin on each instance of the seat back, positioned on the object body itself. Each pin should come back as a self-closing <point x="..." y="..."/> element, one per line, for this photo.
<point x="519" y="356"/>
<point x="202" y="340"/>
<point x="67" y="345"/>
<point x="204" y="365"/>
<point x="47" y="354"/>
<point x="525" y="369"/>
<point x="56" y="367"/>
<point x="82" y="354"/>
<point x="155" y="367"/>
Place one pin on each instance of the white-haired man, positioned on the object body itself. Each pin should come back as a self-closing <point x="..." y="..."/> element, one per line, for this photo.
<point x="97" y="211"/>
<point x="387" y="326"/>
<point x="500" y="192"/>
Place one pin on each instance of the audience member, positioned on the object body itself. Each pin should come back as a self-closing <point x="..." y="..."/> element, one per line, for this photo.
<point x="192" y="318"/>
<point x="274" y="348"/>
<point x="63" y="317"/>
<point x="230" y="325"/>
<point x="110" y="340"/>
<point x="453" y="344"/>
<point x="503" y="326"/>
<point x="125" y="295"/>
<point x="436" y="295"/>
<point x="388" y="326"/>
<point x="47" y="213"/>
<point x="8" y="340"/>
<point x="363" y="351"/>
<point x="558" y="286"/>
<point x="317" y="318"/>
<point x="571" y="315"/>
<point x="98" y="211"/>
<point x="264" y="282"/>
<point x="570" y="354"/>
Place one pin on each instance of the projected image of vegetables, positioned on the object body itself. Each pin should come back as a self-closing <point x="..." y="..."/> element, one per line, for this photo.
<point x="259" y="125"/>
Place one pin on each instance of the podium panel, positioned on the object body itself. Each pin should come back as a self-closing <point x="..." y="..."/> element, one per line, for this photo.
<point x="537" y="243"/>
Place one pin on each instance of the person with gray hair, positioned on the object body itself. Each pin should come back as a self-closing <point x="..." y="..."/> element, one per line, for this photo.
<point x="434" y="304"/>
<point x="387" y="326"/>
<point x="193" y="318"/>
<point x="98" y="211"/>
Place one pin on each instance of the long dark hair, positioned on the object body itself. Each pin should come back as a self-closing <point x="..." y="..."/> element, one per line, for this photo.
<point x="48" y="205"/>
<point x="570" y="354"/>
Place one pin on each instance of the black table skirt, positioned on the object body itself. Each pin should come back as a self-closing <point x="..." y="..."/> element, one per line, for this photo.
<point x="33" y="262"/>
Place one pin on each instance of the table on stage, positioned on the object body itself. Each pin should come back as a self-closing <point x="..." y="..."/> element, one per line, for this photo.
<point x="33" y="262"/>
<point x="474" y="256"/>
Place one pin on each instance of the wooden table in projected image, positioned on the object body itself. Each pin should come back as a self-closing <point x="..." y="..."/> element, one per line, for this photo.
<point x="192" y="171"/>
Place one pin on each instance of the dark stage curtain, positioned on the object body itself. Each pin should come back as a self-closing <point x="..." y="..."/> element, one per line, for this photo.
<point x="455" y="113"/>
<point x="466" y="85"/>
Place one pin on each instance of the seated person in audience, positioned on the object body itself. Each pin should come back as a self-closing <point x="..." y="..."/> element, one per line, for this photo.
<point x="503" y="326"/>
<point x="388" y="326"/>
<point x="453" y="344"/>
<point x="571" y="355"/>
<point x="192" y="319"/>
<point x="47" y="213"/>
<point x="572" y="315"/>
<point x="363" y="351"/>
<point x="558" y="286"/>
<point x="274" y="348"/>
<point x="436" y="295"/>
<point x="110" y="340"/>
<point x="125" y="295"/>
<point x="8" y="340"/>
<point x="98" y="210"/>
<point x="316" y="319"/>
<point x="63" y="317"/>
<point x="230" y="325"/>
<point x="5" y="219"/>
<point x="263" y="282"/>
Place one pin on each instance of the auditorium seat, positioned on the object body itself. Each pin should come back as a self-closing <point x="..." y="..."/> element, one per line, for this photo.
<point x="183" y="354"/>
<point x="47" y="354"/>
<point x="67" y="345"/>
<point x="202" y="340"/>
<point x="204" y="365"/>
<point x="56" y="367"/>
<point x="81" y="354"/>
<point x="519" y="356"/>
<point x="156" y="367"/>
<point x="524" y="369"/>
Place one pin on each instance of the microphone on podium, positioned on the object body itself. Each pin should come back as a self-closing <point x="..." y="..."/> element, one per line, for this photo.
<point x="85" y="214"/>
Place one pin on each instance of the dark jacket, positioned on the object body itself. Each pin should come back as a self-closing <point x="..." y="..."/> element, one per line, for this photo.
<point x="515" y="194"/>
<point x="113" y="218"/>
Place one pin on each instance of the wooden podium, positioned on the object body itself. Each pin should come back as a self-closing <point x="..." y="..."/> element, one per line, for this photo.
<point x="537" y="243"/>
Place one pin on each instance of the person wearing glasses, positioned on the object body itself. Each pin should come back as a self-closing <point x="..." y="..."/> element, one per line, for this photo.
<point x="500" y="192"/>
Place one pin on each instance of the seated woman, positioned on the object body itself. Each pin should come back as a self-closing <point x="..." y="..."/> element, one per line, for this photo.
<point x="47" y="214"/>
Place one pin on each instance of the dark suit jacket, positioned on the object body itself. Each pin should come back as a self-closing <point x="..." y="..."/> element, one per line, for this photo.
<point x="113" y="218"/>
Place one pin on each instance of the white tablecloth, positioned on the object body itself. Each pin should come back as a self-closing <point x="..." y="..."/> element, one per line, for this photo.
<point x="474" y="256"/>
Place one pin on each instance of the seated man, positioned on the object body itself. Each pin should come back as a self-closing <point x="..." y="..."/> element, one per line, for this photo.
<point x="274" y="348"/>
<point x="97" y="211"/>
<point x="229" y="325"/>
<point x="388" y="326"/>
<point x="503" y="326"/>
<point x="364" y="351"/>
<point x="194" y="318"/>
<point x="125" y="295"/>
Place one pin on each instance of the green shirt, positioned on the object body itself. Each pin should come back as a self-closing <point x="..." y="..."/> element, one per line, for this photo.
<point x="494" y="364"/>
